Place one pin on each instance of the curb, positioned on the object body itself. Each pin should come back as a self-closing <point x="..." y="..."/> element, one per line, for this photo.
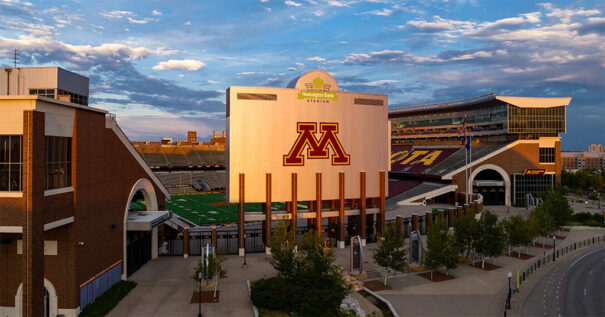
<point x="391" y="308"/>
<point x="254" y="309"/>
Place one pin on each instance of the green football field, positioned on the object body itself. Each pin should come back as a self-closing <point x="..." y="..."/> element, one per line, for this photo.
<point x="208" y="208"/>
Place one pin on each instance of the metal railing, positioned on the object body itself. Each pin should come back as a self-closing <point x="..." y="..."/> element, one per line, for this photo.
<point x="444" y="104"/>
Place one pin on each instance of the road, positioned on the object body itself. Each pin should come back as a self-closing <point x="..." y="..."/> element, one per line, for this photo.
<point x="574" y="287"/>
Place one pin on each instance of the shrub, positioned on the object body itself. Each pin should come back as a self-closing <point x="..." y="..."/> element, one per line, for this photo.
<point x="270" y="293"/>
<point x="108" y="300"/>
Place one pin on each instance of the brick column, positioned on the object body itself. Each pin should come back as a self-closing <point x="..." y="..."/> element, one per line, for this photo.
<point x="381" y="201"/>
<point x="341" y="210"/>
<point x="460" y="211"/>
<point x="414" y="222"/>
<point x="450" y="216"/>
<point x="294" y="202"/>
<point x="429" y="220"/>
<point x="241" y="217"/>
<point x="441" y="215"/>
<point x="213" y="236"/>
<point x="318" y="203"/>
<point x="186" y="243"/>
<point x="268" y="214"/>
<point x="34" y="169"/>
<point x="399" y="225"/>
<point x="362" y="207"/>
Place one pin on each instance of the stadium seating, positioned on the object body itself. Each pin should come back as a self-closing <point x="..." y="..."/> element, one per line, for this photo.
<point x="158" y="155"/>
<point x="192" y="181"/>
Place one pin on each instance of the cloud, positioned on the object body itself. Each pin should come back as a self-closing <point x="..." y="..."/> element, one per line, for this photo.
<point x="157" y="13"/>
<point x="318" y="13"/>
<point x="292" y="3"/>
<point x="384" y="12"/>
<point x="116" y="14"/>
<point x="316" y="59"/>
<point x="186" y="64"/>
<point x="142" y="21"/>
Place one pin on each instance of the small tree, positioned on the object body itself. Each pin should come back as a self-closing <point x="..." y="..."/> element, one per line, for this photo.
<point x="390" y="253"/>
<point x="515" y="232"/>
<point x="465" y="231"/>
<point x="442" y="249"/>
<point x="213" y="271"/>
<point x="491" y="240"/>
<point x="542" y="223"/>
<point x="557" y="207"/>
<point x="283" y="246"/>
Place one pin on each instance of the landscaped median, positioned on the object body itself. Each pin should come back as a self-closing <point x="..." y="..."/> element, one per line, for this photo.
<point x="108" y="300"/>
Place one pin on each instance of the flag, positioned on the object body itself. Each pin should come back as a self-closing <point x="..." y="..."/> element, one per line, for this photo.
<point x="462" y="127"/>
<point x="468" y="144"/>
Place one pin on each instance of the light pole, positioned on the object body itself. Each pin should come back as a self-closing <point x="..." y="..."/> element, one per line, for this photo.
<point x="199" y="294"/>
<point x="509" y="275"/>
<point x="554" y="240"/>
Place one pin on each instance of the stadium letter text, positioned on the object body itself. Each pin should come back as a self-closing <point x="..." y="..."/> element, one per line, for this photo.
<point x="317" y="149"/>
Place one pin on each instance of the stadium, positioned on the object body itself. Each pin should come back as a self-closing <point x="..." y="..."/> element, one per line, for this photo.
<point x="123" y="207"/>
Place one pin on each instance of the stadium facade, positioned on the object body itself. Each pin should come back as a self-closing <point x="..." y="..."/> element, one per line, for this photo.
<point x="67" y="177"/>
<point x="514" y="150"/>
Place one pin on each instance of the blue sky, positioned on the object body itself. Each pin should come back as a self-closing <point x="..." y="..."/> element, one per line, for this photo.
<point x="163" y="66"/>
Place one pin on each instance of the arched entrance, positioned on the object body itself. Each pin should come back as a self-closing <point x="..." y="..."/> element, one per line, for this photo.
<point x="138" y="245"/>
<point x="51" y="303"/>
<point x="493" y="183"/>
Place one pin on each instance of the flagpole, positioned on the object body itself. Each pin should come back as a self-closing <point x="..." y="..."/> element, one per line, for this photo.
<point x="470" y="167"/>
<point x="465" y="163"/>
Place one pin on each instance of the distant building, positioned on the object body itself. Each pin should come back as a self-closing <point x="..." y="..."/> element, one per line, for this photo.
<point x="593" y="159"/>
<point x="192" y="136"/>
<point x="68" y="175"/>
<point x="50" y="82"/>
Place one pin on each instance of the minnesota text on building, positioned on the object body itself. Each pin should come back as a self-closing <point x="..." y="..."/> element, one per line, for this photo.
<point x="68" y="175"/>
<point x="514" y="152"/>
<point x="310" y="134"/>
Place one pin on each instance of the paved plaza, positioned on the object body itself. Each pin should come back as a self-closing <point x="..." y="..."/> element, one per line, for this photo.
<point x="165" y="288"/>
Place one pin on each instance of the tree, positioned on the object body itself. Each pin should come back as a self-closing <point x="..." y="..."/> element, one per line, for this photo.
<point x="307" y="282"/>
<point x="557" y="207"/>
<point x="490" y="240"/>
<point x="390" y="252"/>
<point x="442" y="248"/>
<point x="516" y="232"/>
<point x="542" y="223"/>
<point x="320" y="286"/>
<point x="465" y="231"/>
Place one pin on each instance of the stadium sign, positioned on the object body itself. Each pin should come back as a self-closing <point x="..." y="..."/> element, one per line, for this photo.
<point x="308" y="128"/>
<point x="534" y="172"/>
<point x="317" y="149"/>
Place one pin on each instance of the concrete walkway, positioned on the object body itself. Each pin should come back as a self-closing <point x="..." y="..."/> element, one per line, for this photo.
<point x="165" y="288"/>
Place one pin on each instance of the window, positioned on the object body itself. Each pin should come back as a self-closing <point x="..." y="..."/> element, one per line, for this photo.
<point x="50" y="93"/>
<point x="58" y="162"/>
<point x="547" y="155"/>
<point x="10" y="162"/>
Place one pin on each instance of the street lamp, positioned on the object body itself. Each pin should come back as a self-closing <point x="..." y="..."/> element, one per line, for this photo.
<point x="199" y="294"/>
<point x="554" y="241"/>
<point x="509" y="275"/>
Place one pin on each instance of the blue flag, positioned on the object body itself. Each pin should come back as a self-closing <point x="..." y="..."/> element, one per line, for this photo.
<point x="468" y="144"/>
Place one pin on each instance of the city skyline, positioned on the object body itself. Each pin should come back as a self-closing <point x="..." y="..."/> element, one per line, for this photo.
<point x="154" y="63"/>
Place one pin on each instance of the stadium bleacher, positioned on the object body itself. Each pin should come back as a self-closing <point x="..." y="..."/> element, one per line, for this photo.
<point x="183" y="182"/>
<point x="160" y="155"/>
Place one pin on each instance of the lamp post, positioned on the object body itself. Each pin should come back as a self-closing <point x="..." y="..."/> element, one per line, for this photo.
<point x="554" y="241"/>
<point x="509" y="275"/>
<point x="199" y="293"/>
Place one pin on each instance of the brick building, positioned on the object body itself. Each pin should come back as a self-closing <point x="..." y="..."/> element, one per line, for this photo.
<point x="515" y="149"/>
<point x="67" y="177"/>
<point x="593" y="159"/>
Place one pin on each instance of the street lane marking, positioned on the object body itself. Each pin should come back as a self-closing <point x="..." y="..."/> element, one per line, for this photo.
<point x="584" y="292"/>
<point x="589" y="253"/>
<point x="589" y="273"/>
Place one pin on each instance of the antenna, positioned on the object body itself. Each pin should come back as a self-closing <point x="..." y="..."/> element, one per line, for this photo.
<point x="16" y="57"/>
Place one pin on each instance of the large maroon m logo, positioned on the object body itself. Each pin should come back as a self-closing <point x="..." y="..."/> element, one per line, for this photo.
<point x="317" y="149"/>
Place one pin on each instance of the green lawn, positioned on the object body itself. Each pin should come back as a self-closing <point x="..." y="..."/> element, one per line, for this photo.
<point x="108" y="300"/>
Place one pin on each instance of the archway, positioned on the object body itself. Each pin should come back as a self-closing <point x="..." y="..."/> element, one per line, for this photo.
<point x="490" y="180"/>
<point x="145" y="188"/>
<point x="51" y="302"/>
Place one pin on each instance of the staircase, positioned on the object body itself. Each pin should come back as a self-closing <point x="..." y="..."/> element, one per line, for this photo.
<point x="379" y="273"/>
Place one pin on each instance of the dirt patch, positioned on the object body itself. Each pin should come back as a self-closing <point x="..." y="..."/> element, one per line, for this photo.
<point x="437" y="276"/>
<point x="524" y="256"/>
<point x="487" y="267"/>
<point x="543" y="246"/>
<point x="207" y="297"/>
<point x="561" y="237"/>
<point x="221" y="203"/>
<point x="375" y="286"/>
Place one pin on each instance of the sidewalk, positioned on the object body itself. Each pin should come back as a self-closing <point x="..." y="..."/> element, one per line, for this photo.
<point x="165" y="288"/>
